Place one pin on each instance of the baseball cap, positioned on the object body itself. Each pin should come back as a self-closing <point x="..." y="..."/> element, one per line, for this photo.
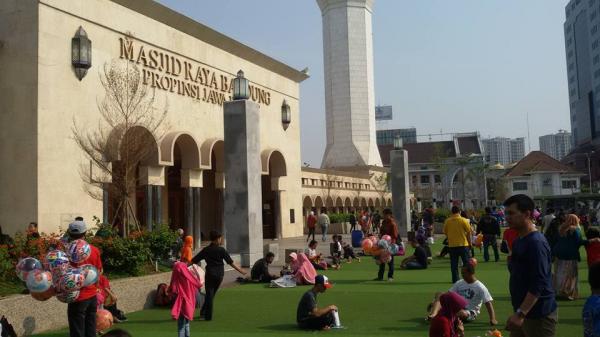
<point x="77" y="227"/>
<point x="322" y="279"/>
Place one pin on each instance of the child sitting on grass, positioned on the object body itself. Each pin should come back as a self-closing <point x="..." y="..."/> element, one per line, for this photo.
<point x="337" y="251"/>
<point x="348" y="251"/>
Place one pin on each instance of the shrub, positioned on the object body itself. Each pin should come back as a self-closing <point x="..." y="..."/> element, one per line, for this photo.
<point x="441" y="214"/>
<point x="161" y="241"/>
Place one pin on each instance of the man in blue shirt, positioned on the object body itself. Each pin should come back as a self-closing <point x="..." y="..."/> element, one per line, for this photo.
<point x="531" y="290"/>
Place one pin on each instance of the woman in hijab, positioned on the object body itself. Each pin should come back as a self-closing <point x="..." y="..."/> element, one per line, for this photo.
<point x="446" y="323"/>
<point x="302" y="269"/>
<point x="186" y="251"/>
<point x="566" y="251"/>
<point x="185" y="286"/>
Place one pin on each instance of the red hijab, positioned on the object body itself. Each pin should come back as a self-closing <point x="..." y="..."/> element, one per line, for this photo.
<point x="452" y="303"/>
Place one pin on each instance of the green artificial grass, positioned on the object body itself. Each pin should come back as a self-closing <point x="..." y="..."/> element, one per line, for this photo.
<point x="367" y="308"/>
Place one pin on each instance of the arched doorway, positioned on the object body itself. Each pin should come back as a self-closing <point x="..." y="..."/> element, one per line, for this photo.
<point x="339" y="205"/>
<point x="371" y="204"/>
<point x="319" y="204"/>
<point x="274" y="168"/>
<point x="348" y="204"/>
<point x="377" y="204"/>
<point x="329" y="204"/>
<point x="211" y="195"/>
<point x="307" y="207"/>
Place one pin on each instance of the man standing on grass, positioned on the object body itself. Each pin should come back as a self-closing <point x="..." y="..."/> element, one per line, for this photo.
<point x="82" y="313"/>
<point x="490" y="229"/>
<point x="308" y="315"/>
<point x="324" y="223"/>
<point x="531" y="290"/>
<point x="458" y="231"/>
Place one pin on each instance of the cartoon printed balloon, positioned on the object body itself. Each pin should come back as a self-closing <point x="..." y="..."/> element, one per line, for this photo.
<point x="39" y="281"/>
<point x="27" y="265"/>
<point x="56" y="259"/>
<point x="90" y="273"/>
<point x="79" y="251"/>
<point x="67" y="297"/>
<point x="104" y="320"/>
<point x="71" y="280"/>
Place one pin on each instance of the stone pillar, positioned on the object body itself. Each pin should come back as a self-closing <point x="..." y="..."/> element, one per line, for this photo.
<point x="400" y="189"/>
<point x="197" y="216"/>
<point x="158" y="209"/>
<point x="149" y="208"/>
<point x="243" y="196"/>
<point x="220" y="186"/>
<point x="189" y="211"/>
<point x="277" y="215"/>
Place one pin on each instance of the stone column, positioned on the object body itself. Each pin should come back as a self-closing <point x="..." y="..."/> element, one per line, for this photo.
<point x="197" y="216"/>
<point x="158" y="206"/>
<point x="400" y="189"/>
<point x="277" y="215"/>
<point x="242" y="198"/>
<point x="149" y="208"/>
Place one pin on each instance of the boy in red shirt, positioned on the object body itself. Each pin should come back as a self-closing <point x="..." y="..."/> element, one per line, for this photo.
<point x="592" y="248"/>
<point x="82" y="313"/>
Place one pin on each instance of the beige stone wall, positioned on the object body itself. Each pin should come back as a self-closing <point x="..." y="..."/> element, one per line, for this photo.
<point x="62" y="98"/>
<point x="18" y="112"/>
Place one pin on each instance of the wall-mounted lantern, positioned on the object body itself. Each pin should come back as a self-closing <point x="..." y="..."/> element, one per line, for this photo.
<point x="241" y="88"/>
<point x="81" y="53"/>
<point x="286" y="115"/>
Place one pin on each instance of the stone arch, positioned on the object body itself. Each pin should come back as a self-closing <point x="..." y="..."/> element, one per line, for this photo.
<point x="356" y="202"/>
<point x="329" y="202"/>
<point x="273" y="163"/>
<point x="377" y="203"/>
<point x="389" y="203"/>
<point x="339" y="202"/>
<point x="347" y="202"/>
<point x="318" y="203"/>
<point x="212" y="154"/>
<point x="363" y="202"/>
<point x="139" y="135"/>
<point x="190" y="151"/>
<point x="307" y="201"/>
<point x="370" y="202"/>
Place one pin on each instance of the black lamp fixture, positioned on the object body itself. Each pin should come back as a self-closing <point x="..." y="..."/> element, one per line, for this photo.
<point x="241" y="88"/>
<point x="81" y="53"/>
<point x="286" y="114"/>
<point x="397" y="143"/>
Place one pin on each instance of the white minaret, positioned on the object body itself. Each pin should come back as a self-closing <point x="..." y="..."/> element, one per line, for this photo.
<point x="349" y="87"/>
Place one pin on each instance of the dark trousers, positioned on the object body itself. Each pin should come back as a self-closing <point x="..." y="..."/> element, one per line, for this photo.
<point x="82" y="318"/>
<point x="114" y="310"/>
<point x="390" y="269"/>
<point x="317" y="323"/>
<point x="455" y="254"/>
<point x="352" y="227"/>
<point x="490" y="240"/>
<point x="211" y="285"/>
<point x="311" y="231"/>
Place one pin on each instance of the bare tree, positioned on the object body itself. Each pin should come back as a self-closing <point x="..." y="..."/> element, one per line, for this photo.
<point x="381" y="184"/>
<point x="124" y="139"/>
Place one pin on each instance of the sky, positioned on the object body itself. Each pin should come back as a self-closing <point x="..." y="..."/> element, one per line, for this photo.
<point x="445" y="66"/>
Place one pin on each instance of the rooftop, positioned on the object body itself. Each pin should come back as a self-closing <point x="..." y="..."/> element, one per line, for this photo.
<point x="538" y="161"/>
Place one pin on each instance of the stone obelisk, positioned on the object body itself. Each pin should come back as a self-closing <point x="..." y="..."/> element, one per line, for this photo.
<point x="349" y="87"/>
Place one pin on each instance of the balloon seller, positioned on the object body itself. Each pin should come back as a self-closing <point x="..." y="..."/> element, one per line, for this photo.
<point x="82" y="312"/>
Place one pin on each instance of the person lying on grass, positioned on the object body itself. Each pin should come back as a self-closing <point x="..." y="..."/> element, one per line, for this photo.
<point x="308" y="315"/>
<point x="474" y="291"/>
<point x="416" y="261"/>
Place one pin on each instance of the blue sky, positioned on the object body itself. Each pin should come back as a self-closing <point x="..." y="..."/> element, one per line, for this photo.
<point x="444" y="65"/>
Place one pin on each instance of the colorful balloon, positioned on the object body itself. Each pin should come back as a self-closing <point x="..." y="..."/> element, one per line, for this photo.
<point x="71" y="280"/>
<point x="56" y="259"/>
<point x="387" y="238"/>
<point x="90" y="273"/>
<point x="67" y="297"/>
<point x="46" y="295"/>
<point x="104" y="320"/>
<point x="79" y="251"/>
<point x="394" y="249"/>
<point x="39" y="281"/>
<point x="376" y="251"/>
<point x="385" y="257"/>
<point x="366" y="244"/>
<point x="27" y="265"/>
<point x="383" y="244"/>
<point x="373" y="239"/>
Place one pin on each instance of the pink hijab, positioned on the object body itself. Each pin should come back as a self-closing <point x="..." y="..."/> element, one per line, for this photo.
<point x="304" y="272"/>
<point x="185" y="285"/>
<point x="452" y="303"/>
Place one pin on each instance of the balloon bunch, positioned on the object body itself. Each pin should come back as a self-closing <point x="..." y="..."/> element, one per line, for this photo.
<point x="382" y="249"/>
<point x="56" y="276"/>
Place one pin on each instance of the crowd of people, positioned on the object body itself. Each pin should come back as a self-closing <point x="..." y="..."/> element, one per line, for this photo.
<point x="543" y="253"/>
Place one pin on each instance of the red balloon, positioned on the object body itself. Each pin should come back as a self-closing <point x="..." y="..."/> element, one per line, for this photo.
<point x="367" y="245"/>
<point x="104" y="320"/>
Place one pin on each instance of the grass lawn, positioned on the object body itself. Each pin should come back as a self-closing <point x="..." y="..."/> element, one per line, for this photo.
<point x="367" y="308"/>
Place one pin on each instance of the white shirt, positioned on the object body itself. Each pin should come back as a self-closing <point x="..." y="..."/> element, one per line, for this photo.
<point x="475" y="293"/>
<point x="311" y="252"/>
<point x="547" y="219"/>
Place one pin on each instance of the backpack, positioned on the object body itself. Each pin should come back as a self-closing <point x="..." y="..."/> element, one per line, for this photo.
<point x="161" y="299"/>
<point x="6" y="329"/>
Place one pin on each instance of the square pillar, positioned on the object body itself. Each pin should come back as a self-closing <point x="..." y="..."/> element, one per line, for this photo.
<point x="197" y="216"/>
<point x="189" y="211"/>
<point x="158" y="205"/>
<point x="243" y="195"/>
<point x="149" y="208"/>
<point x="400" y="190"/>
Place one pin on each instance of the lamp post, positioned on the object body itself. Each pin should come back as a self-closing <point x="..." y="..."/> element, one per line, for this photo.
<point x="81" y="53"/>
<point x="400" y="186"/>
<point x="286" y="114"/>
<point x="589" y="162"/>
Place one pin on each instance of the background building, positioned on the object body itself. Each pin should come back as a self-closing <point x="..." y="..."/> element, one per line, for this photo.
<point x="437" y="170"/>
<point x="556" y="145"/>
<point x="502" y="150"/>
<point x="386" y="137"/>
<point x="539" y="175"/>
